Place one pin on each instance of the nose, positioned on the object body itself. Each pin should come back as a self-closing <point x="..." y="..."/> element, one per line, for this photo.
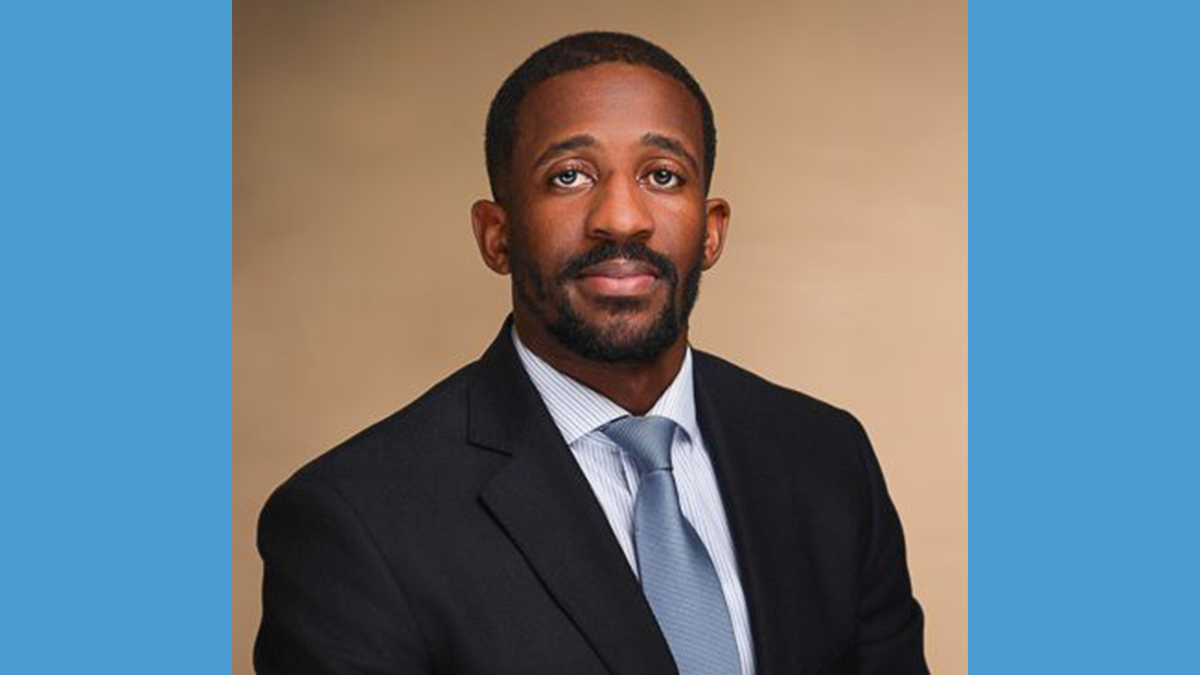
<point x="619" y="212"/>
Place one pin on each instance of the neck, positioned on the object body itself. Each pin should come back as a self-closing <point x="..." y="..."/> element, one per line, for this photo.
<point x="633" y="386"/>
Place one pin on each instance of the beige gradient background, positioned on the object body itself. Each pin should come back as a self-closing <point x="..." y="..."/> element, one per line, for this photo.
<point x="358" y="132"/>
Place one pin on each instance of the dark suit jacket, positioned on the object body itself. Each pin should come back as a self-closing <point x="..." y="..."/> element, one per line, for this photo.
<point x="460" y="536"/>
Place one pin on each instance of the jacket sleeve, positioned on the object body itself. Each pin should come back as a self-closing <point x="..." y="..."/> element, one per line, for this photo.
<point x="891" y="625"/>
<point x="330" y="603"/>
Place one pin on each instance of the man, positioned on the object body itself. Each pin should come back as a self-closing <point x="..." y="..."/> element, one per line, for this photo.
<point x="593" y="496"/>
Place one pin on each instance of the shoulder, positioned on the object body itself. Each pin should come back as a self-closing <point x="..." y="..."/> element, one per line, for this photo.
<point x="791" y="430"/>
<point x="822" y="450"/>
<point x="397" y="450"/>
<point x="739" y="389"/>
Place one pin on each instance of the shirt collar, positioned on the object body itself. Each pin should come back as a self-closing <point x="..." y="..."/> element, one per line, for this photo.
<point x="578" y="410"/>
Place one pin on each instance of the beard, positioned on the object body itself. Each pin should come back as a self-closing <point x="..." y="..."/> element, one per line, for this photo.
<point x="614" y="343"/>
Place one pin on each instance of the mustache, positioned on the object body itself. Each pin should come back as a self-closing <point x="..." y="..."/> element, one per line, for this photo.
<point x="611" y="251"/>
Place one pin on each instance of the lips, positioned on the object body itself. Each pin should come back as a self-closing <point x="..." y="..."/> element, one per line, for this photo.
<point x="620" y="269"/>
<point x="618" y="277"/>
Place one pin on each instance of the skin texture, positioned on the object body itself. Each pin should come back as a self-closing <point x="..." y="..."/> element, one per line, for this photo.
<point x="608" y="160"/>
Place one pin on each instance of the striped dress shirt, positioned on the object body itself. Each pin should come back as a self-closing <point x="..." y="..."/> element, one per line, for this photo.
<point x="580" y="411"/>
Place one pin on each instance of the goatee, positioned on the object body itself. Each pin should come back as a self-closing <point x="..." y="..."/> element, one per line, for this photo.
<point x="613" y="345"/>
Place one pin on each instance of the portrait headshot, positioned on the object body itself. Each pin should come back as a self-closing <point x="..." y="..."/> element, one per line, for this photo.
<point x="622" y="340"/>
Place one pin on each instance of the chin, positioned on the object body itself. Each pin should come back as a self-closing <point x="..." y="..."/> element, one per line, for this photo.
<point x="624" y="336"/>
<point x="624" y="320"/>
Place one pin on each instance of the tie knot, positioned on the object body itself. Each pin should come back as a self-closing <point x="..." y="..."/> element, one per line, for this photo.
<point x="647" y="439"/>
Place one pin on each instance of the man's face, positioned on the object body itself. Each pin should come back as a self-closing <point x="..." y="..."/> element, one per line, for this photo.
<point x="609" y="228"/>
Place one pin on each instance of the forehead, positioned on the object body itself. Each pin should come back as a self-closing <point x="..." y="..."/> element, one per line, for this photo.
<point x="617" y="103"/>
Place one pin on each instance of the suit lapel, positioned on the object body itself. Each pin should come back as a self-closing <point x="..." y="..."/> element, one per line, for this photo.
<point x="546" y="507"/>
<point x="754" y="469"/>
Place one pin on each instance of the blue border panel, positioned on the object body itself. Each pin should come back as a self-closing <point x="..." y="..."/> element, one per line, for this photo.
<point x="1085" y="300"/>
<point x="115" y="273"/>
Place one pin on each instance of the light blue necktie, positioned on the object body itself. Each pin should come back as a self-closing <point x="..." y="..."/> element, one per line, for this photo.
<point x="678" y="577"/>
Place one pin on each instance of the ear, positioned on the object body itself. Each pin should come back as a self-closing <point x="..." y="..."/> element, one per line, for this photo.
<point x="490" y="222"/>
<point x="716" y="224"/>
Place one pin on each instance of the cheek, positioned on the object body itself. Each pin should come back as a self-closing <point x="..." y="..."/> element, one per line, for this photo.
<point x="532" y="254"/>
<point x="680" y="228"/>
<point x="549" y="235"/>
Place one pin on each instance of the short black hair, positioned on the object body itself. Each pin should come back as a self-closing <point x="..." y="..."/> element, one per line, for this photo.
<point x="576" y="52"/>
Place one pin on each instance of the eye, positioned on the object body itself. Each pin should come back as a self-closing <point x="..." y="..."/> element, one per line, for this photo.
<point x="665" y="178"/>
<point x="569" y="178"/>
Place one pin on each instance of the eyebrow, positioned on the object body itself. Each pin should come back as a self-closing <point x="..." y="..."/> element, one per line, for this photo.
<point x="566" y="145"/>
<point x="671" y="145"/>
